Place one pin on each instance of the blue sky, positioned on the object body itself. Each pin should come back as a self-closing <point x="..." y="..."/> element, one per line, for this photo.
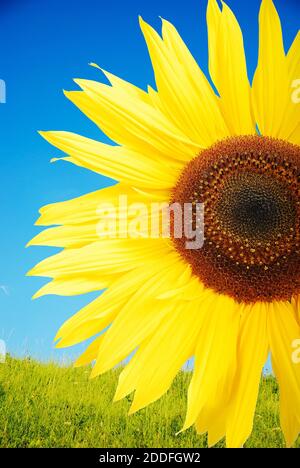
<point x="45" y="45"/>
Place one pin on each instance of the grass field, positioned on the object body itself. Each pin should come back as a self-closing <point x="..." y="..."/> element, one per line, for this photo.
<point x="44" y="405"/>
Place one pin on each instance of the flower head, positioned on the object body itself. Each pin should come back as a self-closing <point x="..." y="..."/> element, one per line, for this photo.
<point x="234" y="298"/>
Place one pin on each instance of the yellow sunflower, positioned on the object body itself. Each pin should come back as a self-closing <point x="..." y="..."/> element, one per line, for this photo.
<point x="229" y="303"/>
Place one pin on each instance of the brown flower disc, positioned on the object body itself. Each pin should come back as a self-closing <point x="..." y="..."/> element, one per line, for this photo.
<point x="249" y="186"/>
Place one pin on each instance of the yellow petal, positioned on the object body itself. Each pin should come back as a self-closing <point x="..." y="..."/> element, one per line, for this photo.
<point x="296" y="305"/>
<point x="80" y="328"/>
<point x="271" y="90"/>
<point x="81" y="209"/>
<point x="291" y="125"/>
<point x="185" y="94"/>
<point x="215" y="356"/>
<point x="131" y="122"/>
<point x="283" y="332"/>
<point x="129" y="88"/>
<point x="213" y="420"/>
<point x="295" y="136"/>
<point x="217" y="426"/>
<point x="129" y="329"/>
<point x="90" y="353"/>
<point x="105" y="256"/>
<point x="86" y="209"/>
<point x="293" y="57"/>
<point x="139" y="318"/>
<point x="98" y="310"/>
<point x="164" y="354"/>
<point x="110" y="225"/>
<point x="67" y="236"/>
<point x="100" y="313"/>
<point x="213" y="18"/>
<point x="251" y="354"/>
<point x="128" y="376"/>
<point x="155" y="99"/>
<point x="228" y="68"/>
<point x="116" y="162"/>
<point x="73" y="286"/>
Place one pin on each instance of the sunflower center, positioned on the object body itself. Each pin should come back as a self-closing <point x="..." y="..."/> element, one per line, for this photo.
<point x="255" y="207"/>
<point x="249" y="187"/>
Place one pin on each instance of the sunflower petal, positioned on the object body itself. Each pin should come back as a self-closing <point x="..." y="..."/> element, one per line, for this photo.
<point x="85" y="209"/>
<point x="296" y="305"/>
<point x="131" y="122"/>
<point x="271" y="90"/>
<point x="105" y="256"/>
<point x="165" y="353"/>
<point x="127" y="87"/>
<point x="291" y="124"/>
<point x="74" y="286"/>
<point x="215" y="356"/>
<point x="185" y="94"/>
<point x="228" y="68"/>
<point x="213" y="420"/>
<point x="90" y="353"/>
<point x="115" y="162"/>
<point x="100" y="315"/>
<point x="283" y="331"/>
<point x="139" y="318"/>
<point x="128" y="330"/>
<point x="67" y="236"/>
<point x="97" y="315"/>
<point x="252" y="354"/>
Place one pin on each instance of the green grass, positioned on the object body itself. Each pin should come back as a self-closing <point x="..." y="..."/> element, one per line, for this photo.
<point x="44" y="405"/>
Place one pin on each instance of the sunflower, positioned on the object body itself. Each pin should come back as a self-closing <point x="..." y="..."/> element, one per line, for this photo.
<point x="234" y="148"/>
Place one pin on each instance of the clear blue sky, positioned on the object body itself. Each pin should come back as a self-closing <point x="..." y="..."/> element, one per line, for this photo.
<point x="43" y="46"/>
